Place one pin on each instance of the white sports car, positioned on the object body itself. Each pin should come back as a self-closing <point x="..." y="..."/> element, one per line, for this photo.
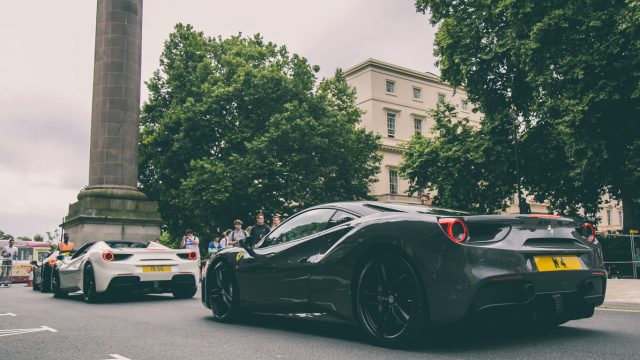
<point x="103" y="267"/>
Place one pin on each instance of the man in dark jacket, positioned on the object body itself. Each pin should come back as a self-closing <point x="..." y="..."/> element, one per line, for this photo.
<point x="260" y="229"/>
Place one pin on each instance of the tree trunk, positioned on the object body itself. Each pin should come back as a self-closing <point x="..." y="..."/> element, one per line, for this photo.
<point x="631" y="212"/>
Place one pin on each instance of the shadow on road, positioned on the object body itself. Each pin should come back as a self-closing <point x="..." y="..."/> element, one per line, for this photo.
<point x="459" y="338"/>
<point x="119" y="299"/>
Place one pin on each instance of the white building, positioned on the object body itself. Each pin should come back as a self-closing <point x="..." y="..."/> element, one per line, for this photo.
<point x="395" y="101"/>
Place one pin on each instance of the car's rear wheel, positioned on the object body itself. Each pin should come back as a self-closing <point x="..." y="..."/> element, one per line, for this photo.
<point x="55" y="285"/>
<point x="89" y="293"/>
<point x="223" y="293"/>
<point x="184" y="292"/>
<point x="389" y="301"/>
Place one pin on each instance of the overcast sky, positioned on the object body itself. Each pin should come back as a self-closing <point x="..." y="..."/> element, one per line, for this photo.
<point x="46" y="69"/>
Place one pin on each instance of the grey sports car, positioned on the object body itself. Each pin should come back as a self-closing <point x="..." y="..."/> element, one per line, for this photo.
<point x="393" y="268"/>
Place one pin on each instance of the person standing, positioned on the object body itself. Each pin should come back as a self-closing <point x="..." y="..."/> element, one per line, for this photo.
<point x="190" y="242"/>
<point x="260" y="229"/>
<point x="8" y="254"/>
<point x="275" y="221"/>
<point x="65" y="246"/>
<point x="237" y="234"/>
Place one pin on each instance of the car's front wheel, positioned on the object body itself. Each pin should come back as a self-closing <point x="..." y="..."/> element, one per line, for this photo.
<point x="55" y="285"/>
<point x="389" y="300"/>
<point x="89" y="293"/>
<point x="223" y="293"/>
<point x="45" y="279"/>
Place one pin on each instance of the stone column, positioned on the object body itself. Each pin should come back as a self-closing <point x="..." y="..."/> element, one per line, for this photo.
<point x="111" y="207"/>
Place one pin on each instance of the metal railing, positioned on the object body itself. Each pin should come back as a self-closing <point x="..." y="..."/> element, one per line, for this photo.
<point x="621" y="254"/>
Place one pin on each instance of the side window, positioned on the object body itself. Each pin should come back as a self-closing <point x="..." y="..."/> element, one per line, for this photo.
<point x="305" y="224"/>
<point x="340" y="217"/>
<point x="82" y="250"/>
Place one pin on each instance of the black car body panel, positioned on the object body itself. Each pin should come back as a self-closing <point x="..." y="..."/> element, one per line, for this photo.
<point x="493" y="268"/>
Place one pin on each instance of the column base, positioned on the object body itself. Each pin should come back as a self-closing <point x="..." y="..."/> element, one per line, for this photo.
<point x="112" y="213"/>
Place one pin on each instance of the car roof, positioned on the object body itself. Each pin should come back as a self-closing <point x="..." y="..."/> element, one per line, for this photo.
<point x="365" y="208"/>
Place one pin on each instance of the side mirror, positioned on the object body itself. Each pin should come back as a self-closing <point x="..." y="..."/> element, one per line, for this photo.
<point x="35" y="263"/>
<point x="60" y="257"/>
<point x="247" y="244"/>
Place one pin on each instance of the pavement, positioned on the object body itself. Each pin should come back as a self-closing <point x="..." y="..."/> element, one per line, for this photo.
<point x="622" y="294"/>
<point x="37" y="326"/>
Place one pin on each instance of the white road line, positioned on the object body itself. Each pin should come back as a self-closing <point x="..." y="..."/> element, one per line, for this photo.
<point x="117" y="357"/>
<point x="8" y="314"/>
<point x="10" y="332"/>
<point x="619" y="310"/>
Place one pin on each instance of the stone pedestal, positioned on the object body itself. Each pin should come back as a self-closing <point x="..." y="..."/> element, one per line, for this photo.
<point x="111" y="213"/>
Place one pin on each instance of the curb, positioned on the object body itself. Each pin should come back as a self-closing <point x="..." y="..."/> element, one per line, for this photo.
<point x="613" y="305"/>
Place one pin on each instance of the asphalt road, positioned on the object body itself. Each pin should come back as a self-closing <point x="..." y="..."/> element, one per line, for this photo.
<point x="160" y="327"/>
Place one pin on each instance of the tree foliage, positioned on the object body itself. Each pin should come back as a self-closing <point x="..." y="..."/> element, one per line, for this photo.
<point x="459" y="165"/>
<point x="571" y="71"/>
<point x="238" y="125"/>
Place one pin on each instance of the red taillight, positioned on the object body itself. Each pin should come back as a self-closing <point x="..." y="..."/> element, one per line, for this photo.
<point x="108" y="256"/>
<point x="545" y="216"/>
<point x="588" y="232"/>
<point x="193" y="255"/>
<point x="455" y="229"/>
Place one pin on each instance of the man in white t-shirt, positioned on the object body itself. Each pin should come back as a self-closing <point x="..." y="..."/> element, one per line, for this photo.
<point x="8" y="254"/>
<point x="191" y="242"/>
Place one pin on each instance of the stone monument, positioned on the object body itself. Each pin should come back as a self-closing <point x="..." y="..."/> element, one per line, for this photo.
<point x="111" y="207"/>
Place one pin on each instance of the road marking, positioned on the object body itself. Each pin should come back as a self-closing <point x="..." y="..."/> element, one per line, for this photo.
<point x="619" y="310"/>
<point x="8" y="314"/>
<point x="10" y="332"/>
<point x="117" y="357"/>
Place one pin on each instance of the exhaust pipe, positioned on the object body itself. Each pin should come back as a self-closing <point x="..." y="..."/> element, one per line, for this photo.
<point x="529" y="292"/>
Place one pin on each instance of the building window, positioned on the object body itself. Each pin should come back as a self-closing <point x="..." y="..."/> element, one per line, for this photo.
<point x="608" y="217"/>
<point x="465" y="105"/>
<point x="417" y="93"/>
<point x="391" y="124"/>
<point x="393" y="182"/>
<point x="441" y="97"/>
<point x="417" y="125"/>
<point x="391" y="87"/>
<point x="620" y="217"/>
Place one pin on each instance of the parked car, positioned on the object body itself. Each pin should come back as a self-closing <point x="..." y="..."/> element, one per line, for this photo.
<point x="103" y="267"/>
<point x="393" y="269"/>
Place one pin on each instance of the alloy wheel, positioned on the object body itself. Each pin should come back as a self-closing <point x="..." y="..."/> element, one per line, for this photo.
<point x="389" y="299"/>
<point x="221" y="291"/>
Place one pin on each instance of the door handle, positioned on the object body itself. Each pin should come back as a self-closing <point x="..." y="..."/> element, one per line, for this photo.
<point x="303" y="260"/>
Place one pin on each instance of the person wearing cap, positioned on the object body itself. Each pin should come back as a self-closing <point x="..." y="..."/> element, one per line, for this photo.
<point x="237" y="234"/>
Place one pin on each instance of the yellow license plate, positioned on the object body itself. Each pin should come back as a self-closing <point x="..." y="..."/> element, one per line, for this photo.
<point x="156" y="268"/>
<point x="557" y="263"/>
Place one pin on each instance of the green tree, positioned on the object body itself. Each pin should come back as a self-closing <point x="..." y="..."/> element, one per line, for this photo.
<point x="234" y="126"/>
<point x="460" y="164"/>
<point x="5" y="236"/>
<point x="571" y="70"/>
<point x="38" y="237"/>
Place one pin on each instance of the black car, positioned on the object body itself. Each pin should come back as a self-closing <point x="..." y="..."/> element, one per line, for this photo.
<point x="395" y="268"/>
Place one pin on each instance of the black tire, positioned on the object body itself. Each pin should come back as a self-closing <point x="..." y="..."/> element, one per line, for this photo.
<point x="184" y="292"/>
<point x="222" y="288"/>
<point x="45" y="279"/>
<point x="89" y="293"/>
<point x="55" y="286"/>
<point x="389" y="301"/>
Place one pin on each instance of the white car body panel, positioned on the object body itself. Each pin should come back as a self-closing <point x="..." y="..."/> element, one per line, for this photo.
<point x="72" y="270"/>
